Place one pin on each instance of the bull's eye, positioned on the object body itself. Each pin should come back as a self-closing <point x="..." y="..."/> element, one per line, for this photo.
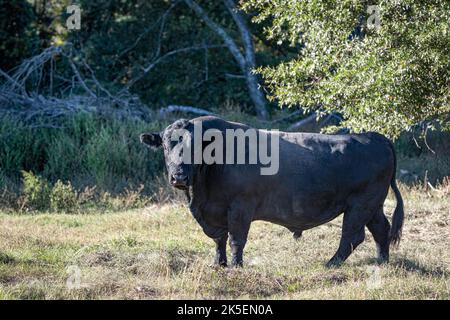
<point x="180" y="139"/>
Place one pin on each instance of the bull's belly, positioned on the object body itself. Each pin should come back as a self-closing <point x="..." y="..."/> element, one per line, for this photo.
<point x="298" y="223"/>
<point x="293" y="211"/>
<point x="297" y="217"/>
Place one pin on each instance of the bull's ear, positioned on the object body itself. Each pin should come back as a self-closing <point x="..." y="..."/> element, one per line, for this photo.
<point x="152" y="140"/>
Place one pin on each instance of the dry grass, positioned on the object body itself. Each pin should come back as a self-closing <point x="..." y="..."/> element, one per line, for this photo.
<point x="160" y="253"/>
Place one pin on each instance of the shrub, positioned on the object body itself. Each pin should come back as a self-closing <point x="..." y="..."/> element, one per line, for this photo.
<point x="63" y="197"/>
<point x="36" y="191"/>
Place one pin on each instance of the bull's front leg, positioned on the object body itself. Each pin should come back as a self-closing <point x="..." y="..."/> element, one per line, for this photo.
<point x="239" y="220"/>
<point x="221" y="251"/>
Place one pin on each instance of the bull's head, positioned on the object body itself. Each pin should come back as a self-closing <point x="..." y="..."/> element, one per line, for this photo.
<point x="174" y="140"/>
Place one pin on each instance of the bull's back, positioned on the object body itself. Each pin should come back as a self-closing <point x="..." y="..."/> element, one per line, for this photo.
<point x="318" y="173"/>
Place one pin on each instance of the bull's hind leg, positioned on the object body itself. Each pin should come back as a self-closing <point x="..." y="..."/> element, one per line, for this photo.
<point x="379" y="227"/>
<point x="352" y="235"/>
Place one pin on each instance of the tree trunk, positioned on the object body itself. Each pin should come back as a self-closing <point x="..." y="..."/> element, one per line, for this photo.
<point x="245" y="61"/>
<point x="256" y="93"/>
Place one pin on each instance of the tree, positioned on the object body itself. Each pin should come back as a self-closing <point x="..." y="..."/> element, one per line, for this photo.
<point x="383" y="66"/>
<point x="246" y="60"/>
<point x="173" y="52"/>
<point x="17" y="40"/>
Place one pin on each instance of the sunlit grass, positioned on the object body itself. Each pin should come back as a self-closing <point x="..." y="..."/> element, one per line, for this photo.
<point x="159" y="252"/>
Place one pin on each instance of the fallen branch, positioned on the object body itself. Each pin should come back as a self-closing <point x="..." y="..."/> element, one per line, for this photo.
<point x="40" y="107"/>
<point x="289" y="116"/>
<point x="302" y="123"/>
<point x="8" y="77"/>
<point x="80" y="79"/>
<point x="312" y="118"/>
<point x="186" y="109"/>
<point x="234" y="76"/>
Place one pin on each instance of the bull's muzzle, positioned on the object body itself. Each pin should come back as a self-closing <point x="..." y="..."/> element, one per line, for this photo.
<point x="179" y="181"/>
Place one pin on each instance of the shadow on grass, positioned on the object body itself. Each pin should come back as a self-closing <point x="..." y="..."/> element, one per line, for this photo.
<point x="414" y="266"/>
<point x="6" y="258"/>
<point x="408" y="265"/>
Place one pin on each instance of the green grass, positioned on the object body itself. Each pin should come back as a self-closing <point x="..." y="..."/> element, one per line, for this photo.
<point x="159" y="252"/>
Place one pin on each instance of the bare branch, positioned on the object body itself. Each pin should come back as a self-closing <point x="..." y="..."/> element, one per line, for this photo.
<point x="244" y="32"/>
<point x="302" y="123"/>
<point x="14" y="82"/>
<point x="98" y="84"/>
<point x="234" y="76"/>
<point x="35" y="109"/>
<point x="161" y="29"/>
<point x="313" y="118"/>
<point x="187" y="109"/>
<point x="80" y="79"/>
<point x="246" y="62"/>
<point x="229" y="42"/>
<point x="425" y="139"/>
<point x="167" y="55"/>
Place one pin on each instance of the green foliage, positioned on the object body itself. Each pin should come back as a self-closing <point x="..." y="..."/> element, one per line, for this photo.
<point x="385" y="79"/>
<point x="121" y="38"/>
<point x="114" y="157"/>
<point x="17" y="39"/>
<point x="85" y="150"/>
<point x="63" y="197"/>
<point x="16" y="147"/>
<point x="36" y="191"/>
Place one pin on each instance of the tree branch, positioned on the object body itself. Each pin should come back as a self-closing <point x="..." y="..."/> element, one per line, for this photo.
<point x="300" y="124"/>
<point x="80" y="79"/>
<point x="229" y="42"/>
<point x="244" y="32"/>
<point x="167" y="55"/>
<point x="187" y="109"/>
<point x="163" y="19"/>
<point x="247" y="62"/>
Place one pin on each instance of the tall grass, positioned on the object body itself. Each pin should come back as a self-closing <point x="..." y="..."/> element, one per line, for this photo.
<point x="85" y="150"/>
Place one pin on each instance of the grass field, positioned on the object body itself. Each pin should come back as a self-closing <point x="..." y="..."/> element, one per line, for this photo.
<point x="159" y="252"/>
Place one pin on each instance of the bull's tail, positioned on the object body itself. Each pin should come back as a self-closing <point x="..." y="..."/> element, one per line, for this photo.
<point x="397" y="219"/>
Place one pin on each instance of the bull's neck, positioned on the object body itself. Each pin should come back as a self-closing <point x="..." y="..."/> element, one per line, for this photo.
<point x="197" y="193"/>
<point x="197" y="197"/>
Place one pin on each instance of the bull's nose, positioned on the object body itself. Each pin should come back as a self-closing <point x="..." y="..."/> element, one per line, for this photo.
<point x="178" y="180"/>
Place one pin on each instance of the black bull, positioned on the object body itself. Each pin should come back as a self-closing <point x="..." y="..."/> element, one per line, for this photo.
<point x="320" y="176"/>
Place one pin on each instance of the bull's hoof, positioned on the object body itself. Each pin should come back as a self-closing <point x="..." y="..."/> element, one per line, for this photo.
<point x="220" y="264"/>
<point x="238" y="264"/>
<point x="334" y="263"/>
<point x="383" y="260"/>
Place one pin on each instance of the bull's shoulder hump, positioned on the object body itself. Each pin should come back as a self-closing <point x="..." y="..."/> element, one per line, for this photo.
<point x="333" y="143"/>
<point x="306" y="137"/>
<point x="358" y="138"/>
<point x="371" y="138"/>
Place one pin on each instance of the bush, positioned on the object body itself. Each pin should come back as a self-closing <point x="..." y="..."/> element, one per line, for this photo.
<point x="63" y="197"/>
<point x="36" y="191"/>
